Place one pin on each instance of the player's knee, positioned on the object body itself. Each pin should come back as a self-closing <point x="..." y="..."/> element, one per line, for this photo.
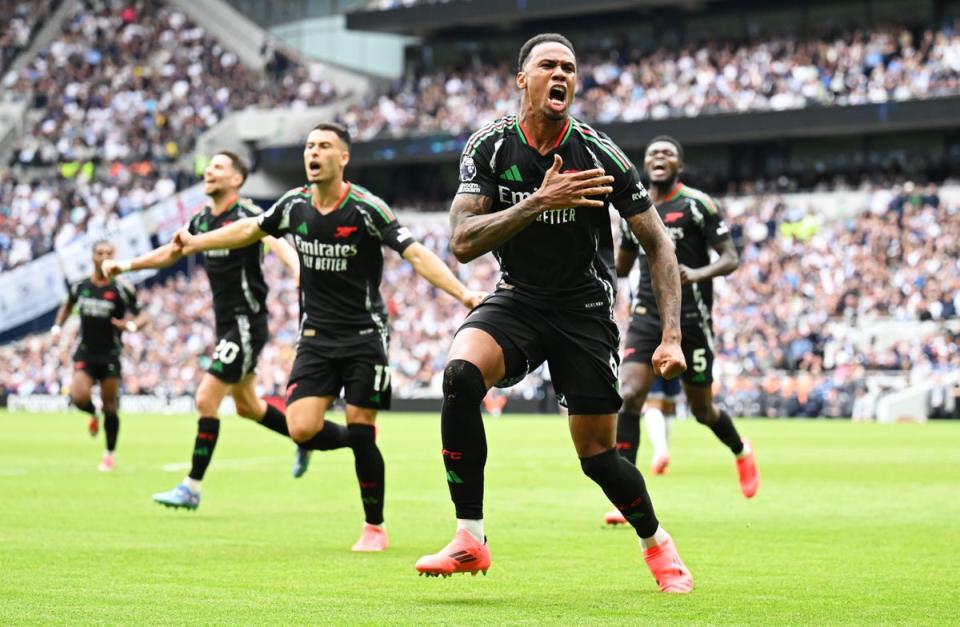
<point x="110" y="406"/>
<point x="207" y="405"/>
<point x="301" y="432"/>
<point x="463" y="382"/>
<point x="246" y="409"/>
<point x="603" y="468"/>
<point x="633" y="397"/>
<point x="80" y="399"/>
<point x="705" y="413"/>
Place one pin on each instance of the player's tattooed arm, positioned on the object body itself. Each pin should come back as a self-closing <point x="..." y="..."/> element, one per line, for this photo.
<point x="664" y="271"/>
<point x="237" y="235"/>
<point x="726" y="263"/>
<point x="475" y="231"/>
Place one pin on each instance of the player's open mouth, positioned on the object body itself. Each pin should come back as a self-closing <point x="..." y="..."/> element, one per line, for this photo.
<point x="314" y="167"/>
<point x="558" y="95"/>
<point x="658" y="168"/>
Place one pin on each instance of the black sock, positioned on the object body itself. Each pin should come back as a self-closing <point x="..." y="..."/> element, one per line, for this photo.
<point x="332" y="436"/>
<point x="111" y="427"/>
<point x="628" y="435"/>
<point x="725" y="431"/>
<point x="463" y="437"/>
<point x="207" y="431"/>
<point x="87" y="407"/>
<point x="623" y="484"/>
<point x="275" y="420"/>
<point x="368" y="463"/>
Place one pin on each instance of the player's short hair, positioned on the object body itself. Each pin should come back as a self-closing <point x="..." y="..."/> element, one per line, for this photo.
<point x="668" y="139"/>
<point x="542" y="38"/>
<point x="102" y="242"/>
<point x="338" y="129"/>
<point x="238" y="164"/>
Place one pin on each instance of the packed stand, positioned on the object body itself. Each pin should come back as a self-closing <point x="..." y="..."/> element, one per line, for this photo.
<point x="626" y="83"/>
<point x="118" y="113"/>
<point x="786" y="322"/>
<point x="23" y="19"/>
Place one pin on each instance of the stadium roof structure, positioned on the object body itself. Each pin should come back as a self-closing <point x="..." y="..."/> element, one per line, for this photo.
<point x="422" y="19"/>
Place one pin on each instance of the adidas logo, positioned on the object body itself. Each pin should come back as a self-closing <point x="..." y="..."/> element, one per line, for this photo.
<point x="463" y="557"/>
<point x="302" y="229"/>
<point x="511" y="174"/>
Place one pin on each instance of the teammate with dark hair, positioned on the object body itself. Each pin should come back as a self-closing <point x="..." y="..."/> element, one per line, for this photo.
<point x="339" y="229"/>
<point x="103" y="304"/>
<point x="535" y="189"/>
<point x="694" y="223"/>
<point x="240" y="312"/>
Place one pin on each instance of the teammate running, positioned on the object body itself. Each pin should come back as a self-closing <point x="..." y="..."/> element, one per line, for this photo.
<point x="535" y="189"/>
<point x="103" y="304"/>
<point x="240" y="311"/>
<point x="693" y="221"/>
<point x="339" y="229"/>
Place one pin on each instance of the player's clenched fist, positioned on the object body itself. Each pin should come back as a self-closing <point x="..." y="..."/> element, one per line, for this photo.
<point x="110" y="267"/>
<point x="471" y="299"/>
<point x="668" y="361"/>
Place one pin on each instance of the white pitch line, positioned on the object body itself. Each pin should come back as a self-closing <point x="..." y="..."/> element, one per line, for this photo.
<point x="226" y="464"/>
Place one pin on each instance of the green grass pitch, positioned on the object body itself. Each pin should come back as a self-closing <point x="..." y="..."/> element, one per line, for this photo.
<point x="853" y="523"/>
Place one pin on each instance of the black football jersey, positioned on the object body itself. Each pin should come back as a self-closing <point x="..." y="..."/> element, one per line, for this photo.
<point x="98" y="306"/>
<point x="236" y="276"/>
<point x="564" y="258"/>
<point x="341" y="261"/>
<point x="695" y="225"/>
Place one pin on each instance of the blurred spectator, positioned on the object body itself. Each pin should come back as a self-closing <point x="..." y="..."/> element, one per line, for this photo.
<point x="22" y="20"/>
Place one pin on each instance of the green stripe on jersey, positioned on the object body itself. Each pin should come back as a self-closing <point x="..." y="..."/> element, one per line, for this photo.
<point x="696" y="194"/>
<point x="360" y="194"/>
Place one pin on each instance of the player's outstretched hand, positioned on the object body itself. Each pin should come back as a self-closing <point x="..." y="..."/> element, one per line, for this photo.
<point x="181" y="241"/>
<point x="110" y="267"/>
<point x="471" y="299"/>
<point x="560" y="190"/>
<point x="668" y="361"/>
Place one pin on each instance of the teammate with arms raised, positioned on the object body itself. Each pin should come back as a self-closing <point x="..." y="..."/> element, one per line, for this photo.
<point x="694" y="223"/>
<point x="339" y="229"/>
<point x="103" y="304"/>
<point x="240" y="311"/>
<point x="535" y="189"/>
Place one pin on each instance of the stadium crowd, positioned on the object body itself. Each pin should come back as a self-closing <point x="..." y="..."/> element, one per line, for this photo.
<point x="785" y="340"/>
<point x="116" y="116"/>
<point x="22" y="20"/>
<point x="626" y="82"/>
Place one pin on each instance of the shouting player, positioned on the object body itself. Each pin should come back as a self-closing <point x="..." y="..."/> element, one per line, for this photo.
<point x="694" y="223"/>
<point x="535" y="189"/>
<point x="103" y="304"/>
<point x="339" y="229"/>
<point x="240" y="312"/>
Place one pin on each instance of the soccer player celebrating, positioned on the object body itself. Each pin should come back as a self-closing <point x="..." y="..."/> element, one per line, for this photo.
<point x="694" y="222"/>
<point x="535" y="189"/>
<point x="103" y="304"/>
<point x="240" y="311"/>
<point x="339" y="229"/>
